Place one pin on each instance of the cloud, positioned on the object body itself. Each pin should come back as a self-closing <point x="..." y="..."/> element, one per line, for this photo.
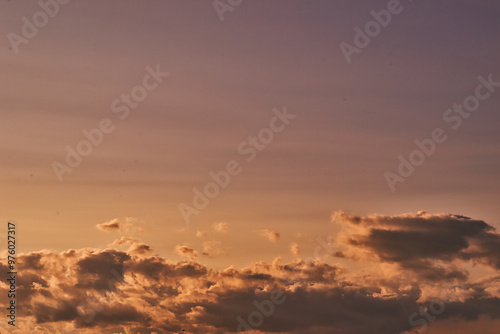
<point x="123" y="241"/>
<point x="112" y="225"/>
<point x="140" y="248"/>
<point x="294" y="248"/>
<point x="433" y="246"/>
<point x="133" y="226"/>
<point x="110" y="290"/>
<point x="213" y="248"/>
<point x="221" y="227"/>
<point x="201" y="234"/>
<point x="186" y="251"/>
<point x="270" y="235"/>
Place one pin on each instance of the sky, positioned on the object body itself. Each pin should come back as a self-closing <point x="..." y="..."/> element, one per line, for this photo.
<point x="171" y="164"/>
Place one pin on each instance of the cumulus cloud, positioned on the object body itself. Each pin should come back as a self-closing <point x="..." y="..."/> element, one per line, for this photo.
<point x="270" y="235"/>
<point x="112" y="225"/>
<point x="431" y="245"/>
<point x="135" y="291"/>
<point x="221" y="227"/>
<point x="186" y="251"/>
<point x="113" y="291"/>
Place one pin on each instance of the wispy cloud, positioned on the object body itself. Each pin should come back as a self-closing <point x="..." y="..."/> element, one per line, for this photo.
<point x="221" y="227"/>
<point x="187" y="251"/>
<point x="270" y="235"/>
<point x="112" y="225"/>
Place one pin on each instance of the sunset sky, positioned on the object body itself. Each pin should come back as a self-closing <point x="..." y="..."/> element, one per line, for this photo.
<point x="305" y="139"/>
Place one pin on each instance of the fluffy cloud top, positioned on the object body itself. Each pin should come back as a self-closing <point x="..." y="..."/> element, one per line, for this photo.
<point x="432" y="246"/>
<point x="135" y="291"/>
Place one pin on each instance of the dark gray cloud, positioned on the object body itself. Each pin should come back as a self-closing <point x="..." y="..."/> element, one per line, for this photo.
<point x="428" y="244"/>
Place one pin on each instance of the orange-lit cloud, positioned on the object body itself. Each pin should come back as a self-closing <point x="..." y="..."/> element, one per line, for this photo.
<point x="112" y="225"/>
<point x="213" y="248"/>
<point x="105" y="291"/>
<point x="222" y="227"/>
<point x="432" y="246"/>
<point x="133" y="290"/>
<point x="201" y="234"/>
<point x="187" y="251"/>
<point x="270" y="235"/>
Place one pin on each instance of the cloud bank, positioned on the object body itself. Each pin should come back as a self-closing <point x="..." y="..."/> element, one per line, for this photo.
<point x="416" y="257"/>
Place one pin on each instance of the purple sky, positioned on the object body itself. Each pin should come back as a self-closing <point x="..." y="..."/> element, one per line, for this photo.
<point x="225" y="79"/>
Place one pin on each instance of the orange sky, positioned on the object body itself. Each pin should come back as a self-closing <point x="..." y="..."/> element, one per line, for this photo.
<point x="267" y="97"/>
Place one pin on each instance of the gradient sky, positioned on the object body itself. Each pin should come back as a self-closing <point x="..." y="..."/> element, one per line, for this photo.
<point x="225" y="78"/>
